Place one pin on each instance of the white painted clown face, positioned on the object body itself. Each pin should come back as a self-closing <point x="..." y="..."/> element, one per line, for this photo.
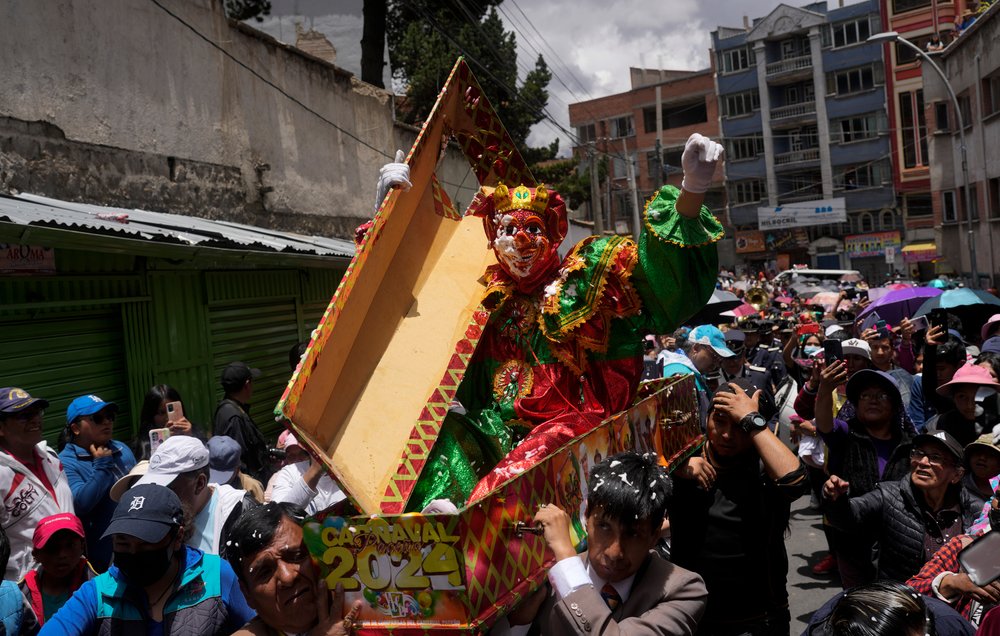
<point x="521" y="242"/>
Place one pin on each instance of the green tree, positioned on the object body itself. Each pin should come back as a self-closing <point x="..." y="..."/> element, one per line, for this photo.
<point x="246" y="9"/>
<point x="426" y="37"/>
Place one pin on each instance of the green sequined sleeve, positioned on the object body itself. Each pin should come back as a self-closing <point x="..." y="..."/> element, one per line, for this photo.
<point x="678" y="262"/>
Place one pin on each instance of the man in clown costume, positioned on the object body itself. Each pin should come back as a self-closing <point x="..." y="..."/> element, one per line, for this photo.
<point x="562" y="349"/>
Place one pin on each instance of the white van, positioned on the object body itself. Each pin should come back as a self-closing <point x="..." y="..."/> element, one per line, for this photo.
<point x="790" y="275"/>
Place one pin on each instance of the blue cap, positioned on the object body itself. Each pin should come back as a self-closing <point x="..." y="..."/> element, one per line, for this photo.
<point x="713" y="337"/>
<point x="15" y="400"/>
<point x="87" y="405"/>
<point x="146" y="512"/>
<point x="224" y="456"/>
<point x="992" y="345"/>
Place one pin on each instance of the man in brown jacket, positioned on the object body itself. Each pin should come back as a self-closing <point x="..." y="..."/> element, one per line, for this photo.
<point x="619" y="586"/>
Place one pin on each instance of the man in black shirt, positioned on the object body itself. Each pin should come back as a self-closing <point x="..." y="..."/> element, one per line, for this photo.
<point x="232" y="418"/>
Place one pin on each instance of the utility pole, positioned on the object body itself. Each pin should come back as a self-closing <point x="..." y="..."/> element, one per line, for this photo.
<point x="659" y="137"/>
<point x="595" y="192"/>
<point x="630" y="171"/>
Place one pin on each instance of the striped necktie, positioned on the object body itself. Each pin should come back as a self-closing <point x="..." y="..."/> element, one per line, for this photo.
<point x="611" y="596"/>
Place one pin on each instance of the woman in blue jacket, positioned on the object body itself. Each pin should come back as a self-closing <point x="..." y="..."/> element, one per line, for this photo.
<point x="93" y="462"/>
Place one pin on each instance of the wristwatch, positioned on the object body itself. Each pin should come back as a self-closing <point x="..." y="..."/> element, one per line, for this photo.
<point x="753" y="422"/>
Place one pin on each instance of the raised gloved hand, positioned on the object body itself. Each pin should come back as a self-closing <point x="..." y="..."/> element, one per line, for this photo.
<point x="699" y="159"/>
<point x="390" y="175"/>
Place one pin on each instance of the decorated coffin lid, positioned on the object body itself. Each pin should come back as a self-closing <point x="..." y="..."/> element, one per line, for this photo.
<point x="383" y="365"/>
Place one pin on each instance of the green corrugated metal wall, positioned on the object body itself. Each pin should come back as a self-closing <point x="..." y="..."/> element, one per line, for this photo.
<point x="117" y="335"/>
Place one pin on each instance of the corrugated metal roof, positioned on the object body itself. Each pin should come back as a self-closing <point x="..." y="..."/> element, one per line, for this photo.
<point x="32" y="209"/>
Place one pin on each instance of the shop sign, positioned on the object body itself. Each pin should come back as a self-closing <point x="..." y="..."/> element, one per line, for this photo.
<point x="802" y="214"/>
<point x="869" y="245"/>
<point x="26" y="259"/>
<point x="749" y="241"/>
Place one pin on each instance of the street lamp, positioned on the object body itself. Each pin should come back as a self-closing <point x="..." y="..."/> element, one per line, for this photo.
<point x="892" y="36"/>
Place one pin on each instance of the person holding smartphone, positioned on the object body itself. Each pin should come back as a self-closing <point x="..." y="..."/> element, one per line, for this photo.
<point x="154" y="415"/>
<point x="93" y="462"/>
<point x="866" y="444"/>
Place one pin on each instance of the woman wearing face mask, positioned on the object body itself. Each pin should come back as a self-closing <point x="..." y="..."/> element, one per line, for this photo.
<point x="799" y="353"/>
<point x="967" y="389"/>
<point x="157" y="584"/>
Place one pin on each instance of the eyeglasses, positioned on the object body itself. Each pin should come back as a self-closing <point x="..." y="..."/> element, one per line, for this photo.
<point x="872" y="396"/>
<point x="101" y="418"/>
<point x="934" y="459"/>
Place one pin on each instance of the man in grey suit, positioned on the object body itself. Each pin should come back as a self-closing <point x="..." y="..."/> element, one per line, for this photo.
<point x="619" y="586"/>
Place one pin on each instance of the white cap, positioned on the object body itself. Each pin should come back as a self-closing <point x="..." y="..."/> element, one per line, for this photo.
<point x="177" y="455"/>
<point x="858" y="347"/>
<point x="832" y="329"/>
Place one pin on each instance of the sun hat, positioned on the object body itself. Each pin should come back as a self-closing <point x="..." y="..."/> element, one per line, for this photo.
<point x="969" y="374"/>
<point x="991" y="327"/>
<point x="129" y="480"/>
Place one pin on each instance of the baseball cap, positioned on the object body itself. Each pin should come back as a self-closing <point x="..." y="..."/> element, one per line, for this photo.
<point x="858" y="347"/>
<point x="992" y="345"/>
<point x="53" y="524"/>
<point x="177" y="455"/>
<point x="832" y="329"/>
<point x="87" y="405"/>
<point x="287" y="439"/>
<point x="146" y="512"/>
<point x="941" y="438"/>
<point x="223" y="458"/>
<point x="711" y="336"/>
<point x="735" y="341"/>
<point x="236" y="375"/>
<point x="14" y="400"/>
<point x="129" y="480"/>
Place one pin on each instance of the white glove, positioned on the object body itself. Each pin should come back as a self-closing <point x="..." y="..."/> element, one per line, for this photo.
<point x="996" y="435"/>
<point x="699" y="159"/>
<point x="391" y="175"/>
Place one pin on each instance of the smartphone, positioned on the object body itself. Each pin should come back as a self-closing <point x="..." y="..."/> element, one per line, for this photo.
<point x="939" y="318"/>
<point x="919" y="323"/>
<point x="850" y="293"/>
<point x="808" y="328"/>
<point x="882" y="329"/>
<point x="832" y="350"/>
<point x="156" y="437"/>
<point x="175" y="411"/>
<point x="862" y="294"/>
<point x="981" y="559"/>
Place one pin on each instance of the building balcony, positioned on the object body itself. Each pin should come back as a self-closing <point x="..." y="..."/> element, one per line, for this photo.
<point x="789" y="69"/>
<point x="796" y="157"/>
<point x="793" y="111"/>
<point x="807" y="194"/>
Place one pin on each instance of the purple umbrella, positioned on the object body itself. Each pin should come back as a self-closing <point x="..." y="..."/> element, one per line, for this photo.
<point x="900" y="303"/>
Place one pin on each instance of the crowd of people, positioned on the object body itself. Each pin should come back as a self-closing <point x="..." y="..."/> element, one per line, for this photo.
<point x="885" y="418"/>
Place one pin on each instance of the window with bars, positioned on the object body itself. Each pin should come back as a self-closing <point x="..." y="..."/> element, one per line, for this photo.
<point x="852" y="32"/>
<point x="744" y="148"/>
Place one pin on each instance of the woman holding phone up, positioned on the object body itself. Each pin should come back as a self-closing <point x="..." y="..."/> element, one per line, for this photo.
<point x="156" y="414"/>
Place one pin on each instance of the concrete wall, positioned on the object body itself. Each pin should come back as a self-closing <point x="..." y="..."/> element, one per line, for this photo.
<point x="134" y="109"/>
<point x="966" y="61"/>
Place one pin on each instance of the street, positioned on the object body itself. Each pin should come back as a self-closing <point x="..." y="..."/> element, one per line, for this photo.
<point x="806" y="546"/>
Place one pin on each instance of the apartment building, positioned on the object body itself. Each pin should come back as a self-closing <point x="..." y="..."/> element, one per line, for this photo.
<point x="802" y="110"/>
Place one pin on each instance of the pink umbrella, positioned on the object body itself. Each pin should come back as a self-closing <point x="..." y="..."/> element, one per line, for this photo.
<point x="826" y="299"/>
<point x="743" y="310"/>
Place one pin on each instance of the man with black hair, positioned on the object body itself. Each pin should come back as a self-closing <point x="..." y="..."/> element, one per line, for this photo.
<point x="619" y="586"/>
<point x="279" y="578"/>
<point x="156" y="584"/>
<point x="734" y="500"/>
<point x="232" y="418"/>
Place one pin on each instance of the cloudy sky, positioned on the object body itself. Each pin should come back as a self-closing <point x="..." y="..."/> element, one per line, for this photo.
<point x="588" y="45"/>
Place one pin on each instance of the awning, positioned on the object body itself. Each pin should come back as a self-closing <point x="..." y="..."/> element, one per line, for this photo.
<point x="919" y="252"/>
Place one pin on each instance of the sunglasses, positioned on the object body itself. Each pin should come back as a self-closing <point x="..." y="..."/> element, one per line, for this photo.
<point x="101" y="418"/>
